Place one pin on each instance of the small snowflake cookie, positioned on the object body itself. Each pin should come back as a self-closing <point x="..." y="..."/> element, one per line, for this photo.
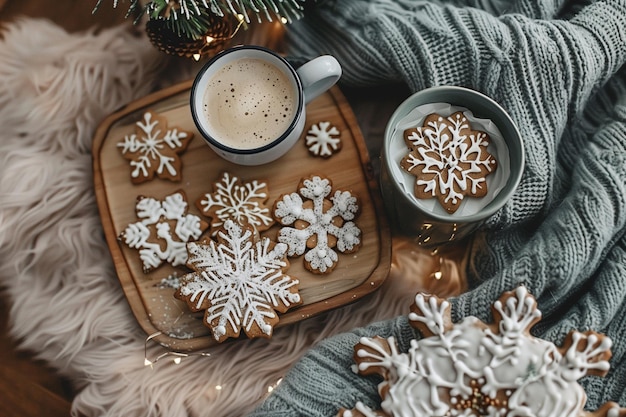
<point x="163" y="230"/>
<point x="475" y="369"/>
<point x="154" y="149"/>
<point x="233" y="199"/>
<point x="323" y="140"/>
<point x="239" y="281"/>
<point x="318" y="223"/>
<point x="449" y="160"/>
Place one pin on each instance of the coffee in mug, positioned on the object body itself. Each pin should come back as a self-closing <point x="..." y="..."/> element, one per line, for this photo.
<point x="248" y="102"/>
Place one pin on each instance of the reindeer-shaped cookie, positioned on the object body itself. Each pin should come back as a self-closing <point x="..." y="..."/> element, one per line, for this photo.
<point x="474" y="369"/>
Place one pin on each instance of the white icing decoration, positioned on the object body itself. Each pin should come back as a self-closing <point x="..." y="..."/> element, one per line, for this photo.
<point x="152" y="212"/>
<point x="291" y="208"/>
<point x="219" y="331"/>
<point x="321" y="139"/>
<point x="241" y="202"/>
<point x="439" y="147"/>
<point x="150" y="146"/>
<point x="460" y="368"/>
<point x="242" y="279"/>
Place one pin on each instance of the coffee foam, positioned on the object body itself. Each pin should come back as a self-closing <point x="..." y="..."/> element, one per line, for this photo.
<point x="249" y="103"/>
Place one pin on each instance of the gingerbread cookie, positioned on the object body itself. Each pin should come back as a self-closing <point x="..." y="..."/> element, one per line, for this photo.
<point x="476" y="369"/>
<point x="242" y="202"/>
<point x="163" y="230"/>
<point x="154" y="149"/>
<point x="239" y="281"/>
<point x="323" y="140"/>
<point x="318" y="224"/>
<point x="449" y="160"/>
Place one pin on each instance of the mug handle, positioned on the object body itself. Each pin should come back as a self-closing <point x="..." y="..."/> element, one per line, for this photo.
<point x="318" y="75"/>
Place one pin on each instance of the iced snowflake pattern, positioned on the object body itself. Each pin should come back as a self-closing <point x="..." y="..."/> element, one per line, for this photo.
<point x="239" y="281"/>
<point x="473" y="369"/>
<point x="163" y="230"/>
<point x="323" y="139"/>
<point x="154" y="150"/>
<point x="242" y="202"/>
<point x="319" y="224"/>
<point x="449" y="159"/>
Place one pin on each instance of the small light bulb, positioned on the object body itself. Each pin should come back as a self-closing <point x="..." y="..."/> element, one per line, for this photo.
<point x="209" y="39"/>
<point x="218" y="387"/>
<point x="196" y="57"/>
<point x="177" y="360"/>
<point x="438" y="275"/>
<point x="240" y="17"/>
<point x="146" y="362"/>
<point x="284" y="20"/>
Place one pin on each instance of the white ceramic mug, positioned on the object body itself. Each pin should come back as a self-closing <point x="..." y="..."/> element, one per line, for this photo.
<point x="248" y="102"/>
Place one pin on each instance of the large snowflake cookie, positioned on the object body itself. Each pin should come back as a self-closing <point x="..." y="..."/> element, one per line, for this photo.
<point x="323" y="139"/>
<point x="474" y="369"/>
<point x="239" y="281"/>
<point x="318" y="223"/>
<point x="163" y="230"/>
<point x="242" y="202"/>
<point x="449" y="160"/>
<point x="154" y="149"/>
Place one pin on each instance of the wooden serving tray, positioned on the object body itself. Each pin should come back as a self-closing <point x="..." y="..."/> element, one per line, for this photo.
<point x="152" y="303"/>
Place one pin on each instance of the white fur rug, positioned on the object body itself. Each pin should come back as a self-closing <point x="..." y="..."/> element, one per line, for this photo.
<point x="67" y="304"/>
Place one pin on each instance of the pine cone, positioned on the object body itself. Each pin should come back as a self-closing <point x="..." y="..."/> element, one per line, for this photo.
<point x="166" y="40"/>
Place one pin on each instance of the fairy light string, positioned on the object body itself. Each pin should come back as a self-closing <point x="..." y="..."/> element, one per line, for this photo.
<point x="177" y="358"/>
<point x="210" y="41"/>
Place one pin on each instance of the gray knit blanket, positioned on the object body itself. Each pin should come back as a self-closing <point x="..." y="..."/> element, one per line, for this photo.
<point x="556" y="67"/>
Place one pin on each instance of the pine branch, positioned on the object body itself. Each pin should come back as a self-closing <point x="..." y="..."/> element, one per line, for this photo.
<point x="192" y="25"/>
<point x="193" y="18"/>
<point x="270" y="9"/>
<point x="134" y="5"/>
<point x="288" y="9"/>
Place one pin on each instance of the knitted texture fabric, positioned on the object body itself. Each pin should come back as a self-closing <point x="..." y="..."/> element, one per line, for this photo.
<point x="556" y="67"/>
